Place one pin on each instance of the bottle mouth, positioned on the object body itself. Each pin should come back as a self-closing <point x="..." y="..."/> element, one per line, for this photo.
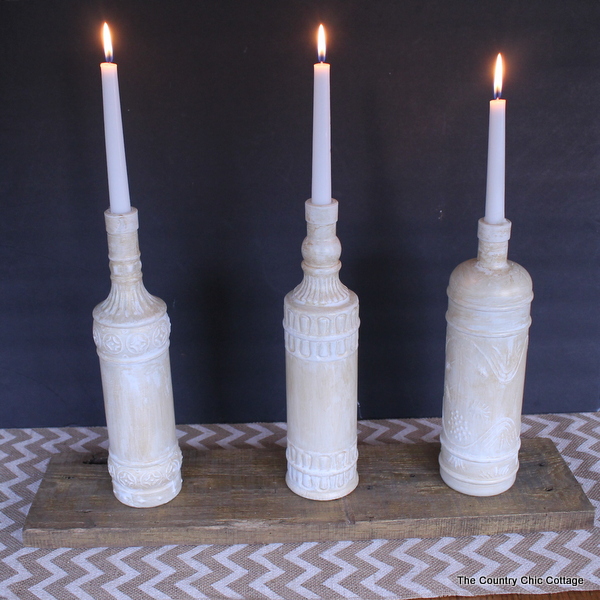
<point x="497" y="232"/>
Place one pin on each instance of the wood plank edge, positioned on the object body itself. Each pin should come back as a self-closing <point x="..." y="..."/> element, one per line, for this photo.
<point x="265" y="533"/>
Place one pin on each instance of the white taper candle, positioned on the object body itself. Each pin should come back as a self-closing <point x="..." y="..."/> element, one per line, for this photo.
<point x="321" y="157"/>
<point x="494" y="199"/>
<point x="118" y="186"/>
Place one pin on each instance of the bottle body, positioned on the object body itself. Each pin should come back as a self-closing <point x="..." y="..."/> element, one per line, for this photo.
<point x="488" y="322"/>
<point x="321" y="340"/>
<point x="131" y="332"/>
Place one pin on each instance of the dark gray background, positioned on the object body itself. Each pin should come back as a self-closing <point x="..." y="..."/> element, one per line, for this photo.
<point x="217" y="110"/>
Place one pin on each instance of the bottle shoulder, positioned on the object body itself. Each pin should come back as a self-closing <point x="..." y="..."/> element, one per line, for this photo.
<point x="474" y="283"/>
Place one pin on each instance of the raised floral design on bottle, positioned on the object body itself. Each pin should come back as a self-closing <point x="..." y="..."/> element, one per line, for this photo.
<point x="486" y="345"/>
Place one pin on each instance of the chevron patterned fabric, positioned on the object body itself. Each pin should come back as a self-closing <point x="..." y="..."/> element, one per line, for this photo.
<point x="368" y="570"/>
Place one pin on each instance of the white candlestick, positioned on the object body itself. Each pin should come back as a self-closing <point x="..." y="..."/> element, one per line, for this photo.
<point x="494" y="200"/>
<point x="118" y="186"/>
<point x="321" y="158"/>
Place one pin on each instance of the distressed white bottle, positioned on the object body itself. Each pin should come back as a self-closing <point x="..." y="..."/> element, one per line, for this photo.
<point x="489" y="300"/>
<point x="131" y="332"/>
<point x="321" y="341"/>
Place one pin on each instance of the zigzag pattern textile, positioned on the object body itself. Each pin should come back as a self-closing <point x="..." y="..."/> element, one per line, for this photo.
<point x="366" y="570"/>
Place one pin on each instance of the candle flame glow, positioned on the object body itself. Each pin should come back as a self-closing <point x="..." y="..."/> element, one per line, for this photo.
<point x="498" y="78"/>
<point x="321" y="43"/>
<point x="108" y="50"/>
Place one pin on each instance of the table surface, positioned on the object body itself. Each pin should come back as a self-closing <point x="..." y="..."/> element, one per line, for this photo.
<point x="367" y="570"/>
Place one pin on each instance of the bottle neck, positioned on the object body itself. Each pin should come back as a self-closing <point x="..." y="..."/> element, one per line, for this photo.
<point x="128" y="302"/>
<point x="321" y="248"/>
<point x="321" y="252"/>
<point x="123" y="248"/>
<point x="493" y="244"/>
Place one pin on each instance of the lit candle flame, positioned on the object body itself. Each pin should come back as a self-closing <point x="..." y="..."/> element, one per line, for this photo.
<point x="321" y="43"/>
<point x="108" y="50"/>
<point x="498" y="78"/>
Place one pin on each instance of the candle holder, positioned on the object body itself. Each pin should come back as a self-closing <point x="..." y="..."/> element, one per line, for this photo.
<point x="131" y="332"/>
<point x="321" y="341"/>
<point x="489" y="300"/>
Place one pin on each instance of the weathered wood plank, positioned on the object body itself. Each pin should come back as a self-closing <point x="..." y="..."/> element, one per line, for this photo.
<point x="240" y="496"/>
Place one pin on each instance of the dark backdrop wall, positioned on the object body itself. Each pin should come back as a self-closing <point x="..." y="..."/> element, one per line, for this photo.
<point x="217" y="110"/>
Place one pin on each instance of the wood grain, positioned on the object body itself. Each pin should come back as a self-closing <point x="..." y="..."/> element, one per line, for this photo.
<point x="240" y="496"/>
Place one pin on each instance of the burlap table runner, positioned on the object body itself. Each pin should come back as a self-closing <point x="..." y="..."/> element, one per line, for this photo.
<point x="368" y="570"/>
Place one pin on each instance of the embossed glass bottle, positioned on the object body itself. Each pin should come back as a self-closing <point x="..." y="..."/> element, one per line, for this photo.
<point x="489" y="301"/>
<point x="321" y="340"/>
<point x="131" y="332"/>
